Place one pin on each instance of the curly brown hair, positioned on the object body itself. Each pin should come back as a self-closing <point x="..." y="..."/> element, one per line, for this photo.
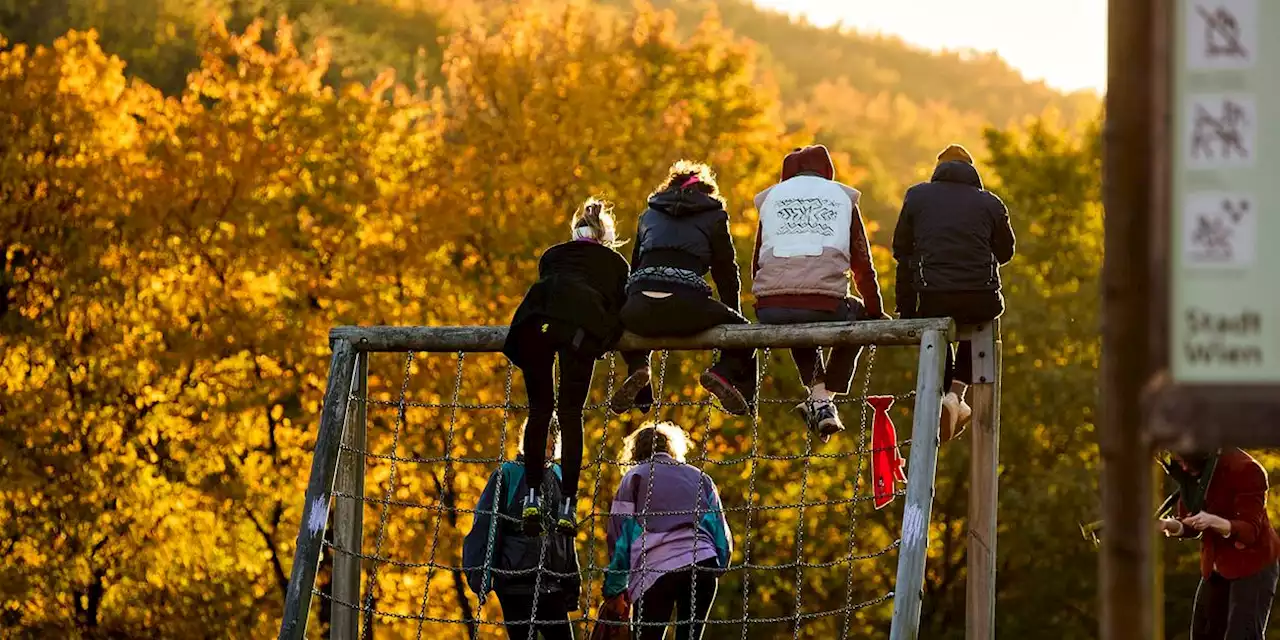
<point x="682" y="171"/>
<point x="653" y="438"/>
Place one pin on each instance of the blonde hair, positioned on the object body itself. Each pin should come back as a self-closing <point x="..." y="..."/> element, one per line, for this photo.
<point x="653" y="438"/>
<point x="553" y="434"/>
<point x="682" y="171"/>
<point x="594" y="219"/>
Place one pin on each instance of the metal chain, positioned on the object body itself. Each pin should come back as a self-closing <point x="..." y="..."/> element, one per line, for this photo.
<point x="857" y="481"/>
<point x="648" y="498"/>
<point x="498" y="501"/>
<point x="598" y="466"/>
<point x="804" y="487"/>
<point x="751" y="493"/>
<point x="783" y="566"/>
<point x="477" y="406"/>
<point x="756" y="458"/>
<point x="445" y="486"/>
<point x="386" y="501"/>
<point x="745" y="621"/>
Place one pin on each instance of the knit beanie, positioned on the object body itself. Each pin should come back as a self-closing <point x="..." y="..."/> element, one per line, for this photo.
<point x="813" y="158"/>
<point x="955" y="153"/>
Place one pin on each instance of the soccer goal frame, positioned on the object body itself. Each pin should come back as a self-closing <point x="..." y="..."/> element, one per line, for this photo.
<point x="343" y="425"/>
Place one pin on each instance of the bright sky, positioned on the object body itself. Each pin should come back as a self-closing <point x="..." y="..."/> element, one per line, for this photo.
<point x="1063" y="42"/>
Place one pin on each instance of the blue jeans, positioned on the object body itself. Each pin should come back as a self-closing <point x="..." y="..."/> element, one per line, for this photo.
<point x="836" y="373"/>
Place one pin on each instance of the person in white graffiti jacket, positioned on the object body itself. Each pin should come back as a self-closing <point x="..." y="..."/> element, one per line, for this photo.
<point x="811" y="239"/>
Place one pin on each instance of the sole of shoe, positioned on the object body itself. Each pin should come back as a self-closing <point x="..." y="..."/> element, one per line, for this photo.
<point x="624" y="399"/>
<point x="531" y="521"/>
<point x="828" y="428"/>
<point x="947" y="427"/>
<point x="731" y="400"/>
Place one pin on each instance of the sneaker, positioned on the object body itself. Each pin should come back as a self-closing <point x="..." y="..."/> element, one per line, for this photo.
<point x="531" y="515"/>
<point x="966" y="414"/>
<point x="567" y="519"/>
<point x="730" y="398"/>
<point x="955" y="415"/>
<point x="644" y="399"/>
<point x="624" y="398"/>
<point x="822" y="417"/>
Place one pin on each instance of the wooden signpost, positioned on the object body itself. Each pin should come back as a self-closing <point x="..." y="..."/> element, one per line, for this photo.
<point x="1191" y="330"/>
<point x="1217" y="261"/>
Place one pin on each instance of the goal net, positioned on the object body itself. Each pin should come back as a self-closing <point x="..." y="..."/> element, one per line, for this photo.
<point x="416" y="419"/>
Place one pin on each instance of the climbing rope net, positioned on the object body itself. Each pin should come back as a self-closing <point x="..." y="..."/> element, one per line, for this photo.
<point x="812" y="557"/>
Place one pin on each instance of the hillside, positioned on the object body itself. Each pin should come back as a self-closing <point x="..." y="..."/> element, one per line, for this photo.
<point x="805" y="57"/>
<point x="157" y="38"/>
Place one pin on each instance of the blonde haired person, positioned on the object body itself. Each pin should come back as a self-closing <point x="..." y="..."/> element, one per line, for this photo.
<point x="668" y="537"/>
<point x="570" y="312"/>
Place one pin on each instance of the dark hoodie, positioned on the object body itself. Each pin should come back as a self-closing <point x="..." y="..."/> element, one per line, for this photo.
<point x="952" y="234"/>
<point x="686" y="229"/>
<point x="498" y="556"/>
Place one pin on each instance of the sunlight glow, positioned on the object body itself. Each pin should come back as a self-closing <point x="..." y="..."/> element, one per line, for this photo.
<point x="1062" y="43"/>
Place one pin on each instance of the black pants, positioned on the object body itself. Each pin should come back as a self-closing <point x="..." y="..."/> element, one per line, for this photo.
<point x="683" y="593"/>
<point x="538" y="352"/>
<point x="1234" y="609"/>
<point x="682" y="314"/>
<point x="550" y="608"/>
<point x="837" y="371"/>
<point x="965" y="307"/>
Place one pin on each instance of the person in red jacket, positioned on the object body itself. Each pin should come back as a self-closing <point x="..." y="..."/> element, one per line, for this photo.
<point x="1223" y="501"/>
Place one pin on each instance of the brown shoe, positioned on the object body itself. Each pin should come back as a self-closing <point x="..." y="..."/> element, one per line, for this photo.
<point x="624" y="397"/>
<point x="730" y="398"/>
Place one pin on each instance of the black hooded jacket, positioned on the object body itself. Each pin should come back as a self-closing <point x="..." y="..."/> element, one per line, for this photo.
<point x="952" y="235"/>
<point x="688" y="229"/>
<point x="582" y="285"/>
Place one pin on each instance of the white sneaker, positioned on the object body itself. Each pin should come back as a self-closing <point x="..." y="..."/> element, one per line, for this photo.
<point x="951" y="405"/>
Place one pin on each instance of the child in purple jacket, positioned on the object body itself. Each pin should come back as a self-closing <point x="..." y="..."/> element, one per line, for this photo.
<point x="666" y="563"/>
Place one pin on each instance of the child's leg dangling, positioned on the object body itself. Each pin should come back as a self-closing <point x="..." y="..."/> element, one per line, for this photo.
<point x="539" y="385"/>
<point x="575" y="384"/>
<point x="636" y="391"/>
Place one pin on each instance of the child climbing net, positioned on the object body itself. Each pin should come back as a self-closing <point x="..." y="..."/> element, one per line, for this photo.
<point x="811" y="555"/>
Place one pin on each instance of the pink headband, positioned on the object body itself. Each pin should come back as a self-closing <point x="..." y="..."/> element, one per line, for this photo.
<point x="691" y="180"/>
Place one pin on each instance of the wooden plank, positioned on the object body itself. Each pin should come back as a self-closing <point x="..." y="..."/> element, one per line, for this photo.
<point x="348" y="517"/>
<point x="984" y="461"/>
<point x="1129" y="171"/>
<point x="1226" y="415"/>
<point x="921" y="469"/>
<point x="315" y="514"/>
<point x="752" y="336"/>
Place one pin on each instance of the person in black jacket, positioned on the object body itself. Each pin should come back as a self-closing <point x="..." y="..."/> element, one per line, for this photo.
<point x="571" y="311"/>
<point x="682" y="235"/>
<point x="951" y="239"/>
<point x="535" y="578"/>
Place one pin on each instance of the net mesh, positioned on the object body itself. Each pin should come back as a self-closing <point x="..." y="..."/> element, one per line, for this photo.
<point x="811" y="558"/>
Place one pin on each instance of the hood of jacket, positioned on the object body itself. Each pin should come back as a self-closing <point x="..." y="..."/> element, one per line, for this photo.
<point x="684" y="202"/>
<point x="957" y="172"/>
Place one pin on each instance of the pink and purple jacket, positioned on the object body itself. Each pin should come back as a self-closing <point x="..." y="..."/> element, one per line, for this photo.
<point x="665" y="516"/>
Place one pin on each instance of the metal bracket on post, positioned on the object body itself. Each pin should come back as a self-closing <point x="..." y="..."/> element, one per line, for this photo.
<point x="983" y="338"/>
